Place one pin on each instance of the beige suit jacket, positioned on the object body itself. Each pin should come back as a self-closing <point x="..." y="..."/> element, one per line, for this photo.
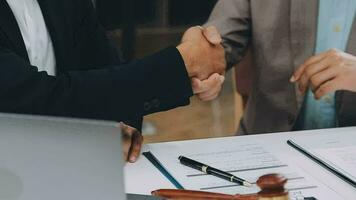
<point x="282" y="34"/>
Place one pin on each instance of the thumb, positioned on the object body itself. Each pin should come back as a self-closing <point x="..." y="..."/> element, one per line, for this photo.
<point x="212" y="35"/>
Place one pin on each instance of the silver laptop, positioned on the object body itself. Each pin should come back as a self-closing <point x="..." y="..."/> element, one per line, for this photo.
<point x="57" y="159"/>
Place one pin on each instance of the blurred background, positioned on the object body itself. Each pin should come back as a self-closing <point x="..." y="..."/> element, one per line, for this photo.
<point x="142" y="27"/>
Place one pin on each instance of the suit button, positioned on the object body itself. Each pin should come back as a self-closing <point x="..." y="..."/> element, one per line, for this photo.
<point x="156" y="103"/>
<point x="147" y="106"/>
<point x="291" y="119"/>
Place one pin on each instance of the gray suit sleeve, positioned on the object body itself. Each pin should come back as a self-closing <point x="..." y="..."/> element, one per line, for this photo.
<point x="233" y="20"/>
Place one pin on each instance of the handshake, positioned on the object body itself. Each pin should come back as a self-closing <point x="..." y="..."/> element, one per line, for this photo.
<point x="204" y="58"/>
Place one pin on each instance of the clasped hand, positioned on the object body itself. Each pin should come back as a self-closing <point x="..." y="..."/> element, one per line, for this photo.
<point x="204" y="58"/>
<point x="327" y="72"/>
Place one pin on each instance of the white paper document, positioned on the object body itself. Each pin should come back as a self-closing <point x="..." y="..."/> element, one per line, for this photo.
<point x="342" y="158"/>
<point x="245" y="160"/>
<point x="337" y="151"/>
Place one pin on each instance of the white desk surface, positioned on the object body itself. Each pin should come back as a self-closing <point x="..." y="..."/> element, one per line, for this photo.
<point x="142" y="177"/>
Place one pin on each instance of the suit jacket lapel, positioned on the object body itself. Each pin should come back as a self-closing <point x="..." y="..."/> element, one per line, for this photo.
<point x="9" y="27"/>
<point x="304" y="20"/>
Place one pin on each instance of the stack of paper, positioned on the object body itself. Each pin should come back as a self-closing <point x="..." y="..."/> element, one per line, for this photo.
<point x="245" y="160"/>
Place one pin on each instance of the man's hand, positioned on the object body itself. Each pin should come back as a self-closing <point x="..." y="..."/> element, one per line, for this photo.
<point x="132" y="142"/>
<point x="201" y="57"/>
<point x="209" y="88"/>
<point x="327" y="72"/>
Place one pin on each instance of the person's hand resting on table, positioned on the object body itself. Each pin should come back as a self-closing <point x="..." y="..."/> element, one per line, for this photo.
<point x="132" y="141"/>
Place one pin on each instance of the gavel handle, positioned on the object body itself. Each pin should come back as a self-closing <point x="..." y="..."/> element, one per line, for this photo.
<point x="199" y="195"/>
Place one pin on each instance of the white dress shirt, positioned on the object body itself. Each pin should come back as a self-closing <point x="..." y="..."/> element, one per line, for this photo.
<point x="35" y="34"/>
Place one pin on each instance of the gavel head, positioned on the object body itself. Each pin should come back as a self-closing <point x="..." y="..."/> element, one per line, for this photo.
<point x="272" y="187"/>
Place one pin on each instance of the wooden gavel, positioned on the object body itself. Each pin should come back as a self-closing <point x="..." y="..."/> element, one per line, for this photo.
<point x="272" y="188"/>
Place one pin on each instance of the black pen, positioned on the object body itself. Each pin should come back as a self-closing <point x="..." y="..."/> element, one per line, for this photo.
<point x="212" y="171"/>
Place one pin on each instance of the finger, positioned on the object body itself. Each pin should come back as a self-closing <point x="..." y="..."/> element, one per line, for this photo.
<point x="326" y="88"/>
<point x="206" y="85"/>
<point x="312" y="70"/>
<point x="317" y="80"/>
<point x="210" y="98"/>
<point x="212" y="86"/>
<point x="297" y="74"/>
<point x="125" y="149"/>
<point x="212" y="35"/>
<point x="127" y="130"/>
<point x="136" y="146"/>
<point x="126" y="133"/>
<point x="197" y="85"/>
<point x="213" y="92"/>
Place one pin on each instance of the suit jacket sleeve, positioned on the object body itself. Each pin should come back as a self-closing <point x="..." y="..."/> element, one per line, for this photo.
<point x="99" y="51"/>
<point x="233" y="20"/>
<point x="346" y="108"/>
<point x="156" y="83"/>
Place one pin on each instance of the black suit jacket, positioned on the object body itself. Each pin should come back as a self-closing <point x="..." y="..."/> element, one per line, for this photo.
<point x="91" y="81"/>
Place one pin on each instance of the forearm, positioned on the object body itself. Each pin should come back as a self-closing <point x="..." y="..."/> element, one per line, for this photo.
<point x="118" y="93"/>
